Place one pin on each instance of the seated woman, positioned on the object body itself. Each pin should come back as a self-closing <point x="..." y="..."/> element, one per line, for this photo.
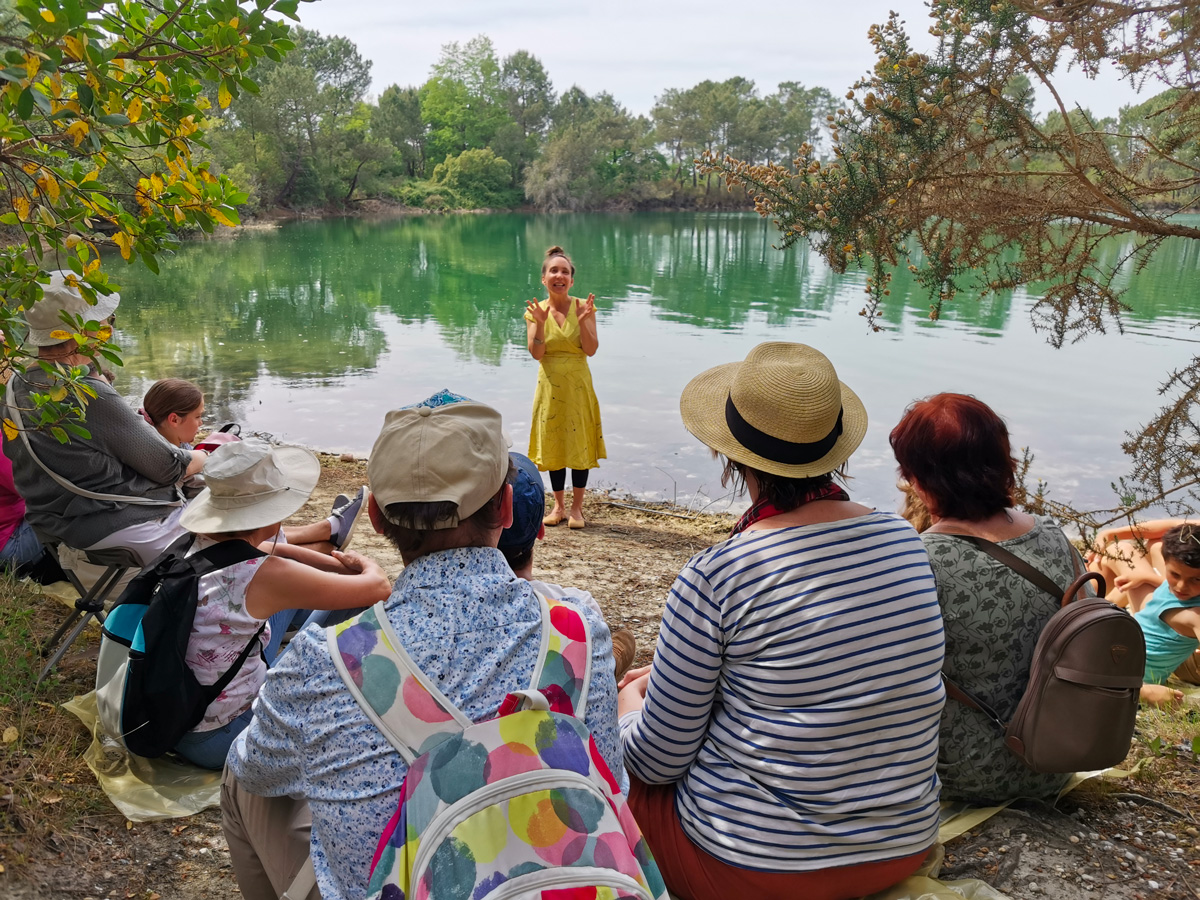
<point x="954" y="452"/>
<point x="122" y="458"/>
<point x="783" y="743"/>
<point x="20" y="551"/>
<point x="252" y="488"/>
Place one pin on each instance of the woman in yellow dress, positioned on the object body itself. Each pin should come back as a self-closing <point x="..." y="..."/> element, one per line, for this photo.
<point x="566" y="429"/>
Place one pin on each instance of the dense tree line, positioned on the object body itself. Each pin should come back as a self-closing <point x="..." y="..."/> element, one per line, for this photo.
<point x="489" y="132"/>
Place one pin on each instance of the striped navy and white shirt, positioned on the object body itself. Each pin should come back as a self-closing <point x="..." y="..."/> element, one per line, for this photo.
<point x="796" y="695"/>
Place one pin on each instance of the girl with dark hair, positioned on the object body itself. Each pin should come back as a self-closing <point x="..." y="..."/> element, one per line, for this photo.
<point x="176" y="409"/>
<point x="954" y="451"/>
<point x="565" y="432"/>
<point x="783" y="743"/>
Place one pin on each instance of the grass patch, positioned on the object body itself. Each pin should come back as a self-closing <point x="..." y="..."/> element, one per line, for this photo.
<point x="46" y="788"/>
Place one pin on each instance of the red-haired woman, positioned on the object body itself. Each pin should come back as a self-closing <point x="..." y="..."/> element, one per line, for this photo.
<point x="954" y="451"/>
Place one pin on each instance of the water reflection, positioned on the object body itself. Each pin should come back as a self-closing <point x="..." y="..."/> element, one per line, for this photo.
<point x="313" y="329"/>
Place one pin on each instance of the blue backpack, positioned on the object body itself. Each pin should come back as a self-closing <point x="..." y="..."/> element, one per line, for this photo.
<point x="147" y="696"/>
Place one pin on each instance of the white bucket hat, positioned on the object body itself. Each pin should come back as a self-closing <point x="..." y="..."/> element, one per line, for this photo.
<point x="251" y="484"/>
<point x="44" y="317"/>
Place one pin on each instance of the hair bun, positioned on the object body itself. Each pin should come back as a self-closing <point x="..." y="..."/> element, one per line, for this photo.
<point x="555" y="251"/>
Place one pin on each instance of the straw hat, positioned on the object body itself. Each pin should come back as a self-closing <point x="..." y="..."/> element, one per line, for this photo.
<point x="251" y="484"/>
<point x="44" y="317"/>
<point x="781" y="411"/>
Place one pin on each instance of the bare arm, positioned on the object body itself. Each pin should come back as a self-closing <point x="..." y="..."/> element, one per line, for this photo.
<point x="535" y="328"/>
<point x="199" y="457"/>
<point x="288" y="584"/>
<point x="585" y="312"/>
<point x="1185" y="621"/>
<point x="309" y="557"/>
<point x="1153" y="530"/>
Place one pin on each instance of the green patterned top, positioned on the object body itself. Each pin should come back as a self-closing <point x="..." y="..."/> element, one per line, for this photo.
<point x="993" y="617"/>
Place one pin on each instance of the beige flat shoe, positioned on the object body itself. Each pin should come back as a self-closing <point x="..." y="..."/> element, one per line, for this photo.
<point x="552" y="519"/>
<point x="575" y="523"/>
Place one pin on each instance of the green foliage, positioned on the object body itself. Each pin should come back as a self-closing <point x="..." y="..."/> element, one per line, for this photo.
<point x="102" y="109"/>
<point x="305" y="134"/>
<point x="479" y="178"/>
<point x="598" y="155"/>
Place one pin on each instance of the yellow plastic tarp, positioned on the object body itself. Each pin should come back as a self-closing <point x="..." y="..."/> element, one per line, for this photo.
<point x="143" y="789"/>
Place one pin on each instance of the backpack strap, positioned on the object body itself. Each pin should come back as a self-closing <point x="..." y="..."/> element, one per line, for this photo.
<point x="564" y="669"/>
<point x="1035" y="577"/>
<point x="222" y="555"/>
<point x="1014" y="562"/>
<point x="393" y="692"/>
<point x="18" y="422"/>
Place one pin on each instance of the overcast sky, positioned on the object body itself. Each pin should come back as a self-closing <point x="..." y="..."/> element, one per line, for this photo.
<point x="635" y="49"/>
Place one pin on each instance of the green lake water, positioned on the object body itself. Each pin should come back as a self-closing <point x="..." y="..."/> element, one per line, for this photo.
<point x="311" y="331"/>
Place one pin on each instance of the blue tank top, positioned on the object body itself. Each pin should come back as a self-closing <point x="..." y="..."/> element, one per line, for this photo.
<point x="1166" y="648"/>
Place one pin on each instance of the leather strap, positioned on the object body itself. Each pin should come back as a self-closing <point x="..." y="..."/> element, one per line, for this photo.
<point x="1014" y="562"/>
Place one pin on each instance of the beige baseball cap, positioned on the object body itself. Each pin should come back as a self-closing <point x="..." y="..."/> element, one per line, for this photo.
<point x="457" y="453"/>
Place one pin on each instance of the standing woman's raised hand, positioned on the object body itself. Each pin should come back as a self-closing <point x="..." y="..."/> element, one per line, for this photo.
<point x="540" y="313"/>
<point x="585" y="308"/>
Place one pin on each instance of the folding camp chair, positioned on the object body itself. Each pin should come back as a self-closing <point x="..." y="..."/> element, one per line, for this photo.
<point x="90" y="605"/>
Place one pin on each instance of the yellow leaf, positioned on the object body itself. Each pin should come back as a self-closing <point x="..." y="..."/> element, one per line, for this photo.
<point x="74" y="46"/>
<point x="233" y="23"/>
<point x="32" y="64"/>
<point x="128" y="825"/>
<point x="156" y="183"/>
<point x="179" y="216"/>
<point x="104" y="332"/>
<point x="21" y="205"/>
<point x="220" y="215"/>
<point x="72" y="241"/>
<point x="47" y="15"/>
<point x="135" y="109"/>
<point x="78" y="130"/>
<point x="59" y="335"/>
<point x="49" y="184"/>
<point x="10" y="432"/>
<point x="90" y="268"/>
<point x="224" y="97"/>
<point x="125" y="242"/>
<point x="58" y="394"/>
<point x="30" y="168"/>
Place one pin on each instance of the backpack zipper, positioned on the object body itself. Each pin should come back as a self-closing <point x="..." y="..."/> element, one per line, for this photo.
<point x="565" y="877"/>
<point x="510" y="787"/>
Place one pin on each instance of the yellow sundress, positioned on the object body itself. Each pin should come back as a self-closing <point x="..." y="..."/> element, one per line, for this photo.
<point x="565" y="433"/>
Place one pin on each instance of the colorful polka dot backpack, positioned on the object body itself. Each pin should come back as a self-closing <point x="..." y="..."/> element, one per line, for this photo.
<point x="520" y="806"/>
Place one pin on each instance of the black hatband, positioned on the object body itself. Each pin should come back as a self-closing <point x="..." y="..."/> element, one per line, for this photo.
<point x="787" y="452"/>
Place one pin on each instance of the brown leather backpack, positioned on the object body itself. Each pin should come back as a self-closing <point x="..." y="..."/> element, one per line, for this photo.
<point x="1079" y="708"/>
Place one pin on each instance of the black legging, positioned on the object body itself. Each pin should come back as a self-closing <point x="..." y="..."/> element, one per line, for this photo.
<point x="558" y="479"/>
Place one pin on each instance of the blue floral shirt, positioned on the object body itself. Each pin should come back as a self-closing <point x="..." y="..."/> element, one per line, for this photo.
<point x="475" y="629"/>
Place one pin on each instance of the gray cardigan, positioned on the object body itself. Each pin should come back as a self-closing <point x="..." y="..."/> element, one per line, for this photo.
<point x="124" y="455"/>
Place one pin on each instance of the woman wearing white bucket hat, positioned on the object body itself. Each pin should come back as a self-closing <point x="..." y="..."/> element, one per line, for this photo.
<point x="116" y="486"/>
<point x="251" y="488"/>
<point x="784" y="741"/>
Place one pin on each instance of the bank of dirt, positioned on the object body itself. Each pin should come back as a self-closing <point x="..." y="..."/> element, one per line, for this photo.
<point x="60" y="838"/>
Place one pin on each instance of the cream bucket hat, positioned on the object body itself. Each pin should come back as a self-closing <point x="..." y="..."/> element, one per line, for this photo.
<point x="782" y="411"/>
<point x="251" y="484"/>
